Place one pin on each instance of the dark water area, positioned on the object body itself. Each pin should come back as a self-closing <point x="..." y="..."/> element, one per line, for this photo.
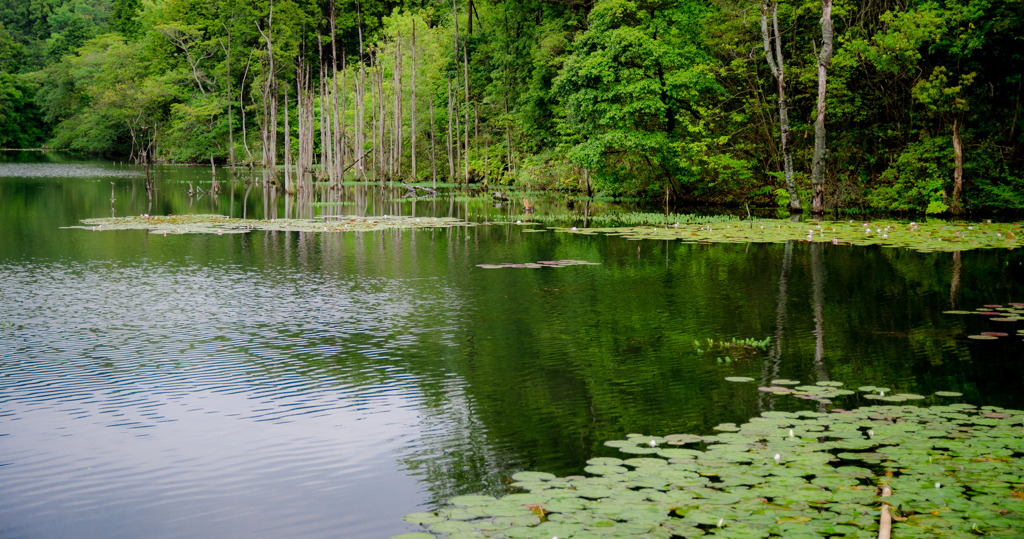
<point x="323" y="385"/>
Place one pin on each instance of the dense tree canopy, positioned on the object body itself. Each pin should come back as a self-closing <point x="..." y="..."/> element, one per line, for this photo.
<point x="627" y="96"/>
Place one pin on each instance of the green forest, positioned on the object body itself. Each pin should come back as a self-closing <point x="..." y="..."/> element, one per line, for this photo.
<point x="883" y="105"/>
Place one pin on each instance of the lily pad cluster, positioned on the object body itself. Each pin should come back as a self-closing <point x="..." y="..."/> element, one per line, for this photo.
<point x="219" y="224"/>
<point x="541" y="264"/>
<point x="933" y="235"/>
<point x="954" y="471"/>
<point x="1012" y="312"/>
<point x="822" y="392"/>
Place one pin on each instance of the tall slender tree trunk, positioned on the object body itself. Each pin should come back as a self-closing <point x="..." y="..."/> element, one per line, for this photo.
<point x="820" y="152"/>
<point x="360" y="113"/>
<point x="287" y="146"/>
<point x="465" y="106"/>
<point x="778" y="71"/>
<point x="412" y="131"/>
<point x="958" y="170"/>
<point x="451" y="157"/>
<point x="344" y="117"/>
<point x="269" y="95"/>
<point x="231" y="121"/>
<point x="338" y="158"/>
<point x="433" y="145"/>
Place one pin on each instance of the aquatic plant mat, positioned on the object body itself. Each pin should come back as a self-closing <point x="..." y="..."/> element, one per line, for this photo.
<point x="219" y="224"/>
<point x="954" y="471"/>
<point x="934" y="235"/>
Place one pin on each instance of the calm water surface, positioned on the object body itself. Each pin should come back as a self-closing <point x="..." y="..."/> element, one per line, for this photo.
<point x="322" y="385"/>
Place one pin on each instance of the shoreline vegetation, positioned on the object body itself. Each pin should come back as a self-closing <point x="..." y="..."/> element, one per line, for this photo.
<point x="910" y="108"/>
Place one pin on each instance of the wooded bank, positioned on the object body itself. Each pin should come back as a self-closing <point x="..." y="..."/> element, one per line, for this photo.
<point x="714" y="101"/>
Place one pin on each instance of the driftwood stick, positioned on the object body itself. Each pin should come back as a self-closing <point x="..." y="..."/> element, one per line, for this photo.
<point x="885" y="521"/>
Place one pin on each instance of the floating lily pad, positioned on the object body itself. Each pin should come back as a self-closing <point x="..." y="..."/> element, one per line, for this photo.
<point x="948" y="394"/>
<point x="471" y="500"/>
<point x="738" y="379"/>
<point x="533" y="476"/>
<point x="982" y="337"/>
<point x="679" y="439"/>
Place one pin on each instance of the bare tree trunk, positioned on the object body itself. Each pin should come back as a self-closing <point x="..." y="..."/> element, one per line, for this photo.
<point x="412" y="131"/>
<point x="451" y="161"/>
<point x="269" y="99"/>
<point x="231" y="121"/>
<point x="360" y="113"/>
<point x="433" y="145"/>
<point x="322" y="94"/>
<point x="287" y="146"/>
<point x="776" y="65"/>
<point x="344" y="118"/>
<point x="820" y="153"/>
<point x="508" y="142"/>
<point x="241" y="103"/>
<point x="465" y="81"/>
<point x="300" y="120"/>
<point x="958" y="170"/>
<point x="337" y="158"/>
<point x="396" y="85"/>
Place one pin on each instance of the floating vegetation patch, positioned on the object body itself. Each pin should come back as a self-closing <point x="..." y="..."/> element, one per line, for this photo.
<point x="741" y="348"/>
<point x="822" y="392"/>
<point x="626" y="219"/>
<point x="541" y="264"/>
<point x="219" y="224"/>
<point x="925" y="237"/>
<point x="1012" y="312"/>
<point x="953" y="471"/>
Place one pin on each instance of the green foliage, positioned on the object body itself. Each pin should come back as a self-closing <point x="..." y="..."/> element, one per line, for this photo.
<point x="632" y="92"/>
<point x="19" y="117"/>
<point x="641" y="96"/>
<point x="915" y="180"/>
<point x="124" y="17"/>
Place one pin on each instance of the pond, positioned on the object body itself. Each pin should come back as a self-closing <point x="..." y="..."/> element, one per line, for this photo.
<point x="307" y="384"/>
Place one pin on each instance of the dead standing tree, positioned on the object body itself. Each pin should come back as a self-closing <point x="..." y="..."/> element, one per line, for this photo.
<point x="269" y="95"/>
<point x="820" y="152"/>
<point x="775" y="64"/>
